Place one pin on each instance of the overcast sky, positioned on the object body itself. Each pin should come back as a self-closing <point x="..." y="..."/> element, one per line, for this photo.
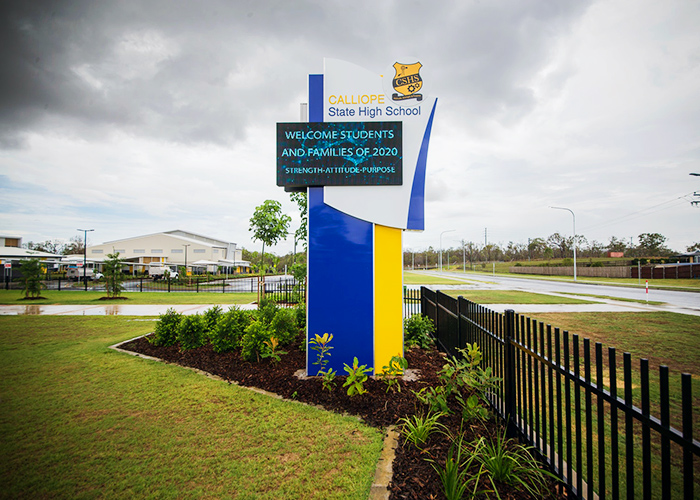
<point x="136" y="117"/>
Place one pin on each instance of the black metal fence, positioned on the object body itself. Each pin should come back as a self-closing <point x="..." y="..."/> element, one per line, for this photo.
<point x="592" y="427"/>
<point x="279" y="290"/>
<point x="411" y="302"/>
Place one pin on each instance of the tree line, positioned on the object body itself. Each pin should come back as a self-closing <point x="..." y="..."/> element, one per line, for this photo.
<point x="556" y="246"/>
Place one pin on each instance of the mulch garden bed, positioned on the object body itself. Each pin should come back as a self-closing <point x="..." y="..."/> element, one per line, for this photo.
<point x="414" y="477"/>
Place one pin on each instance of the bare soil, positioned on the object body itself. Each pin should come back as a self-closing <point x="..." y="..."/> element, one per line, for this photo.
<point x="414" y="476"/>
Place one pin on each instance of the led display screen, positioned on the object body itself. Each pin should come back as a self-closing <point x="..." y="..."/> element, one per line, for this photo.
<point x="339" y="154"/>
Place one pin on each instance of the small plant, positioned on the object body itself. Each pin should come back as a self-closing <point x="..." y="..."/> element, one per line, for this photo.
<point x="191" y="332"/>
<point x="472" y="408"/>
<point x="511" y="463"/>
<point x="435" y="398"/>
<point x="454" y="482"/>
<point x="464" y="372"/>
<point x="271" y="351"/>
<point x="391" y="374"/>
<point x="320" y="345"/>
<point x="416" y="429"/>
<point x="165" y="332"/>
<point x="418" y="331"/>
<point x="284" y="325"/>
<point x="253" y="341"/>
<point x="357" y="376"/>
<point x="328" y="379"/>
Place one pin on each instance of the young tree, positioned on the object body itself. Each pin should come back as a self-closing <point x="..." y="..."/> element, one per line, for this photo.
<point x="31" y="278"/>
<point x="269" y="225"/>
<point x="113" y="275"/>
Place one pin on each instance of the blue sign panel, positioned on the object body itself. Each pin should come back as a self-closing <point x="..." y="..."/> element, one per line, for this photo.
<point x="339" y="154"/>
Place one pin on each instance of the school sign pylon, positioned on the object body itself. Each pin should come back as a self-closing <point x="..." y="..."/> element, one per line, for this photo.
<point x="362" y="156"/>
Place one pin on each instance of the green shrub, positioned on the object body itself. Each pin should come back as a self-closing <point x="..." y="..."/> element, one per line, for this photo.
<point x="417" y="331"/>
<point x="191" y="333"/>
<point x="267" y="311"/>
<point x="253" y="343"/>
<point x="165" y="332"/>
<point x="300" y="311"/>
<point x="211" y="318"/>
<point x="229" y="330"/>
<point x="284" y="326"/>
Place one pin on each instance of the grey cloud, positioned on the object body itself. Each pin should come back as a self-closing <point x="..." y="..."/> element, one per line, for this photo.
<point x="163" y="69"/>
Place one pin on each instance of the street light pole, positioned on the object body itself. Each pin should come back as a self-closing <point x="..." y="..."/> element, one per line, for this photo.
<point x="186" y="245"/>
<point x="86" y="231"/>
<point x="574" y="216"/>
<point x="448" y="231"/>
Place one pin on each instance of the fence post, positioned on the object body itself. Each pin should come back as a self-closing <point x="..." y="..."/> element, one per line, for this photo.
<point x="509" y="373"/>
<point x="59" y="283"/>
<point x="168" y="285"/>
<point x="141" y="284"/>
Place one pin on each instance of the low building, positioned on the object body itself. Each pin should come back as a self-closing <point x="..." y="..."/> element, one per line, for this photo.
<point x="12" y="254"/>
<point x="179" y="248"/>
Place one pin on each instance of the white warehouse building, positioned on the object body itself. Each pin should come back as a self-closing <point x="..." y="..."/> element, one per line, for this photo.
<point x="176" y="248"/>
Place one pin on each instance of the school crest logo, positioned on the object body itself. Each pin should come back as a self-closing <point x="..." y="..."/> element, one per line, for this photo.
<point x="407" y="82"/>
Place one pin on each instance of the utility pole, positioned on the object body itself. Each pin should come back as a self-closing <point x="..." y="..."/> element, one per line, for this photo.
<point x="186" y="245"/>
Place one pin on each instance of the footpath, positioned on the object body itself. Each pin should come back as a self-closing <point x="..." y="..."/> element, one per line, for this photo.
<point x="187" y="309"/>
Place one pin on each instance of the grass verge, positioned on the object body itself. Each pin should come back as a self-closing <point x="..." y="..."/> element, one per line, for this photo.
<point x="410" y="278"/>
<point x="512" y="297"/>
<point x="81" y="420"/>
<point x="14" y="297"/>
<point x="662" y="338"/>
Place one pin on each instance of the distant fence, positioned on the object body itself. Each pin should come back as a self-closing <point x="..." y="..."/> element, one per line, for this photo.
<point x="589" y="272"/>
<point x="287" y="290"/>
<point x="583" y="422"/>
<point x="668" y="271"/>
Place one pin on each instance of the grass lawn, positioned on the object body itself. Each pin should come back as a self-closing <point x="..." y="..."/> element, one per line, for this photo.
<point x="80" y="420"/>
<point x="410" y="278"/>
<point x="512" y="297"/>
<point x="13" y="297"/>
<point x="663" y="338"/>
<point x="620" y="299"/>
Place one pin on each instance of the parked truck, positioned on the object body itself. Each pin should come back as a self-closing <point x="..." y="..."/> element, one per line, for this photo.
<point x="77" y="273"/>
<point x="158" y="270"/>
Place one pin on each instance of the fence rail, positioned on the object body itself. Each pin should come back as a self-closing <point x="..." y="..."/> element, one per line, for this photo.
<point x="597" y="433"/>
<point x="285" y="290"/>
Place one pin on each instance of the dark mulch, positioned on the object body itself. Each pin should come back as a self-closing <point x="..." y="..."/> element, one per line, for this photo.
<point x="414" y="477"/>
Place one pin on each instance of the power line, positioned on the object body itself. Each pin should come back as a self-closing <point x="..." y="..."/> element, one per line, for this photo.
<point x="640" y="213"/>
